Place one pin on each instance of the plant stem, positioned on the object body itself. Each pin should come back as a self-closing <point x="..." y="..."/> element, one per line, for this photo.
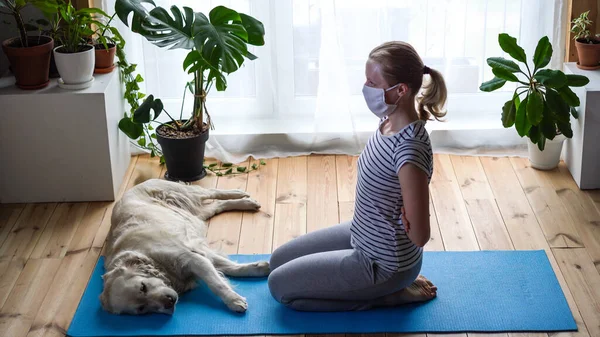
<point x="520" y="93"/>
<point x="21" y="25"/>
<point x="185" y="88"/>
<point x="174" y="121"/>
<point x="528" y="71"/>
<point x="199" y="98"/>
<point x="107" y="25"/>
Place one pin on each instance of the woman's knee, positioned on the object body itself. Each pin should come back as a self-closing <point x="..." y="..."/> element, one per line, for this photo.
<point x="278" y="258"/>
<point x="277" y="285"/>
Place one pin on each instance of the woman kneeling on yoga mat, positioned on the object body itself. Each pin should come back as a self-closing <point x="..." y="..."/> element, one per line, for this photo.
<point x="375" y="259"/>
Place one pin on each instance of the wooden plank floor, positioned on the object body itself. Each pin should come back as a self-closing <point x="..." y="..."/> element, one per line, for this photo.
<point x="48" y="250"/>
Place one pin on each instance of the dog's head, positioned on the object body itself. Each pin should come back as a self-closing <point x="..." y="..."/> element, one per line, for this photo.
<point x="133" y="285"/>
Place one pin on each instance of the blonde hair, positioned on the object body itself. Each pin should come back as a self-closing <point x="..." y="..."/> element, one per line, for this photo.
<point x="400" y="63"/>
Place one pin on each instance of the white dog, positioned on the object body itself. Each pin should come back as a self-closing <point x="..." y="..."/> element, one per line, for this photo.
<point x="156" y="248"/>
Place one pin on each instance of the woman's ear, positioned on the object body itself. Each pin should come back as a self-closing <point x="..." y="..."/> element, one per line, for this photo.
<point x="403" y="90"/>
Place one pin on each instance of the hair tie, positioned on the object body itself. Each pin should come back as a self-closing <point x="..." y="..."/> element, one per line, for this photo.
<point x="426" y="70"/>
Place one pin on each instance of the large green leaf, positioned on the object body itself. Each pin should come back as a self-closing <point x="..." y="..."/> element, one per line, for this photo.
<point x="577" y="80"/>
<point x="194" y="61"/>
<point x="194" y="58"/>
<point x="535" y="108"/>
<point x="547" y="125"/>
<point x="543" y="53"/>
<point x="565" y="129"/>
<point x="47" y="7"/>
<point x="541" y="143"/>
<point x="508" y="114"/>
<point x="510" y="46"/>
<point x="551" y="78"/>
<point x="505" y="74"/>
<point x="255" y="29"/>
<point x="557" y="105"/>
<point x="142" y="113"/>
<point x="534" y="134"/>
<point x="124" y="8"/>
<point x="222" y="39"/>
<point x="521" y="123"/>
<point x="575" y="113"/>
<point x="569" y="96"/>
<point x="493" y="84"/>
<point x="500" y="62"/>
<point x="166" y="31"/>
<point x="509" y="111"/>
<point x="131" y="129"/>
<point x="157" y="25"/>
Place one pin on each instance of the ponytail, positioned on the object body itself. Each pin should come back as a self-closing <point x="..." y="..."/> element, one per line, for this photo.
<point x="431" y="101"/>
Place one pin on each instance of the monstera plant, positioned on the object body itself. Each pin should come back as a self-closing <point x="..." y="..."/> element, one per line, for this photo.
<point x="542" y="103"/>
<point x="218" y="46"/>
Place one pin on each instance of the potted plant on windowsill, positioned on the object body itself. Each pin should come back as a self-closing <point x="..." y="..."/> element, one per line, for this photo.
<point x="106" y="41"/>
<point x="75" y="57"/>
<point x="218" y="45"/>
<point x="53" y="29"/>
<point x="588" y="46"/>
<point x="29" y="55"/>
<point x="542" y="104"/>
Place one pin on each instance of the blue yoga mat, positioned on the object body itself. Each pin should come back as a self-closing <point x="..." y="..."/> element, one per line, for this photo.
<point x="484" y="291"/>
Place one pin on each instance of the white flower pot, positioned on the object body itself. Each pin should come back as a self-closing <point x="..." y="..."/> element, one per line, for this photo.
<point x="75" y="68"/>
<point x="550" y="157"/>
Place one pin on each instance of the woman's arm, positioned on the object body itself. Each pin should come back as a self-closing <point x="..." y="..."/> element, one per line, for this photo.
<point x="415" y="194"/>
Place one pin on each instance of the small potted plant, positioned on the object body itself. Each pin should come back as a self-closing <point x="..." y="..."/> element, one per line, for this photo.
<point x="53" y="29"/>
<point x="75" y="57"/>
<point x="588" y="46"/>
<point x="29" y="55"/>
<point x="105" y="43"/>
<point x="543" y="102"/>
<point x="218" y="45"/>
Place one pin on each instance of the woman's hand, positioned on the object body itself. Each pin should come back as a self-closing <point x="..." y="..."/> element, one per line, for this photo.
<point x="405" y="220"/>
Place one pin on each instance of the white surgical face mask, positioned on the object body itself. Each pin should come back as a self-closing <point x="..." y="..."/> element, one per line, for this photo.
<point x="375" y="98"/>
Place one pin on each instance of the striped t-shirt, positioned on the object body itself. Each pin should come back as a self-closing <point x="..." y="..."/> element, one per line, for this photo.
<point x="377" y="228"/>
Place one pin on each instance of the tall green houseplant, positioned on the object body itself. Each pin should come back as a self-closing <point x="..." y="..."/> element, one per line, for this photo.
<point x="543" y="102"/>
<point x="218" y="46"/>
<point x="29" y="54"/>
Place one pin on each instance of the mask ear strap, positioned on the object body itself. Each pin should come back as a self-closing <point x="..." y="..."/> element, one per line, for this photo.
<point x="390" y="88"/>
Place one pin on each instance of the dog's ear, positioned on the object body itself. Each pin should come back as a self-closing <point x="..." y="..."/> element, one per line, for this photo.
<point x="104" y="301"/>
<point x="131" y="259"/>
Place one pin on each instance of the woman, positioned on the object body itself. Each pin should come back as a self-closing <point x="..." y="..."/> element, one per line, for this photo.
<point x="375" y="259"/>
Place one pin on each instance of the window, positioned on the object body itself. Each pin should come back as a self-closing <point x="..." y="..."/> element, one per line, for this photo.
<point x="312" y="66"/>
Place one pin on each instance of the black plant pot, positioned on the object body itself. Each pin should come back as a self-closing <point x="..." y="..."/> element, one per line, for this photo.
<point x="184" y="157"/>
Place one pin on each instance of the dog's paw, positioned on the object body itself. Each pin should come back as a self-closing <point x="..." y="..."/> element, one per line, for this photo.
<point x="238" y="304"/>
<point x="262" y="268"/>
<point x="239" y="194"/>
<point x="251" y="204"/>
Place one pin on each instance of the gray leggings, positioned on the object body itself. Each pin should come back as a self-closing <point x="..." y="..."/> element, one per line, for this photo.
<point x="320" y="271"/>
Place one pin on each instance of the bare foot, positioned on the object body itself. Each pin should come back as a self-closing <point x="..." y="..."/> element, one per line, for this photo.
<point x="421" y="290"/>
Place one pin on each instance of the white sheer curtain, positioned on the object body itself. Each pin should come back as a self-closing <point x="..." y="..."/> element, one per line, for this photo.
<point x="303" y="94"/>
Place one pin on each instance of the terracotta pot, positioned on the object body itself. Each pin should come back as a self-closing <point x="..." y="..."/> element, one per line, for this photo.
<point x="30" y="65"/>
<point x="588" y="54"/>
<point x="105" y="58"/>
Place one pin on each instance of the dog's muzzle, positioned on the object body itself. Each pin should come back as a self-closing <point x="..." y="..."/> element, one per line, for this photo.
<point x="169" y="302"/>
